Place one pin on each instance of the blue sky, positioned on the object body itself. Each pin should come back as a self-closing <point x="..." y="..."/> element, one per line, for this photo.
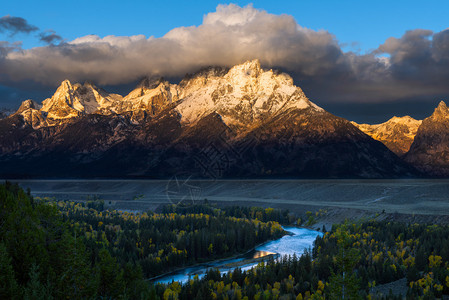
<point x="357" y="25"/>
<point x="411" y="36"/>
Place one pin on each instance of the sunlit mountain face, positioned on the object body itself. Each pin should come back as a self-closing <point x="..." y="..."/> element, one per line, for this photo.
<point x="429" y="151"/>
<point x="397" y="133"/>
<point x="403" y="71"/>
<point x="244" y="121"/>
<point x="298" y="150"/>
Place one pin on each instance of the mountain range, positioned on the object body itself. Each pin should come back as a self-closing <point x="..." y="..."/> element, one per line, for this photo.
<point x="239" y="122"/>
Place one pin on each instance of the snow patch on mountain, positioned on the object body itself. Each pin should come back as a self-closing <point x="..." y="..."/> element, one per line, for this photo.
<point x="245" y="95"/>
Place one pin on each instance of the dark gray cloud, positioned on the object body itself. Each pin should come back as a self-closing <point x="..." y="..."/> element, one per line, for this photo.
<point x="6" y="47"/>
<point x="50" y="37"/>
<point x="419" y="58"/>
<point x="414" y="66"/>
<point x="227" y="37"/>
<point x="15" y="25"/>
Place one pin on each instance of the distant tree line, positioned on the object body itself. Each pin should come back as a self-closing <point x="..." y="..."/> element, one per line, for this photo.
<point x="175" y="238"/>
<point x="347" y="263"/>
<point x="61" y="249"/>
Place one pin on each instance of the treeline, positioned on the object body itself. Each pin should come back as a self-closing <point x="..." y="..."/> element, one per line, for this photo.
<point x="349" y="262"/>
<point x="177" y="237"/>
<point x="282" y="216"/>
<point x="41" y="257"/>
<point x="385" y="252"/>
<point x="53" y="250"/>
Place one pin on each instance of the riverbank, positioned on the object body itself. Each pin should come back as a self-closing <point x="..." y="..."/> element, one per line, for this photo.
<point x="215" y="261"/>
<point x="328" y="216"/>
<point x="296" y="243"/>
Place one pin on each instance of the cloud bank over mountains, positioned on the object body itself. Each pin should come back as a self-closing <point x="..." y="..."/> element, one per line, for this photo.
<point x="414" y="65"/>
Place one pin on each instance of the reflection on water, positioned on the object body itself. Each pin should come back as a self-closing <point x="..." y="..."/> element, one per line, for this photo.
<point x="300" y="240"/>
<point x="259" y="254"/>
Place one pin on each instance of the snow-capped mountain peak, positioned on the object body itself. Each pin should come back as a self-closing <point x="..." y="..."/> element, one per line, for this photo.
<point x="28" y="104"/>
<point x="62" y="104"/>
<point x="150" y="97"/>
<point x="245" y="95"/>
<point x="29" y="110"/>
<point x="249" y="68"/>
<point x="72" y="100"/>
<point x="159" y="128"/>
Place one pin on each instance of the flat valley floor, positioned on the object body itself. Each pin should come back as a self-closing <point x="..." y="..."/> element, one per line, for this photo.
<point x="424" y="197"/>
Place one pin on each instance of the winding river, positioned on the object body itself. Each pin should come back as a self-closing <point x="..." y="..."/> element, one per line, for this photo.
<point x="297" y="242"/>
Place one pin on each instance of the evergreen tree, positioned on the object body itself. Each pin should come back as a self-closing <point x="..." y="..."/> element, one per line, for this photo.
<point x="110" y="279"/>
<point x="8" y="284"/>
<point x="76" y="280"/>
<point x="35" y="289"/>
<point x="345" y="284"/>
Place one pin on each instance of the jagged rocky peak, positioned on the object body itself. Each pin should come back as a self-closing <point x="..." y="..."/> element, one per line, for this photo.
<point x="63" y="103"/>
<point x="150" y="82"/>
<point x="397" y="133"/>
<point x="240" y="74"/>
<point x="251" y="80"/>
<point x="144" y="83"/>
<point x="243" y="95"/>
<point x="204" y="77"/>
<point x="204" y="74"/>
<point x="64" y="88"/>
<point x="250" y="74"/>
<point x="406" y="124"/>
<point x="246" y="94"/>
<point x="88" y="87"/>
<point x="30" y="113"/>
<point x="430" y="150"/>
<point x="28" y="104"/>
<point x="250" y="68"/>
<point x="393" y="120"/>
<point x="148" y="86"/>
<point x="270" y="125"/>
<point x="442" y="105"/>
<point x="404" y="119"/>
<point x="94" y="98"/>
<point x="149" y="98"/>
<point x="73" y="100"/>
<point x="441" y="110"/>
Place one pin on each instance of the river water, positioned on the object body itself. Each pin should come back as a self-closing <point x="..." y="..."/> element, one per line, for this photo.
<point x="299" y="240"/>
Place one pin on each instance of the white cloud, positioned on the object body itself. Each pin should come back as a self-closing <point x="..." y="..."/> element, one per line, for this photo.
<point x="231" y="15"/>
<point x="232" y="35"/>
<point x="228" y="36"/>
